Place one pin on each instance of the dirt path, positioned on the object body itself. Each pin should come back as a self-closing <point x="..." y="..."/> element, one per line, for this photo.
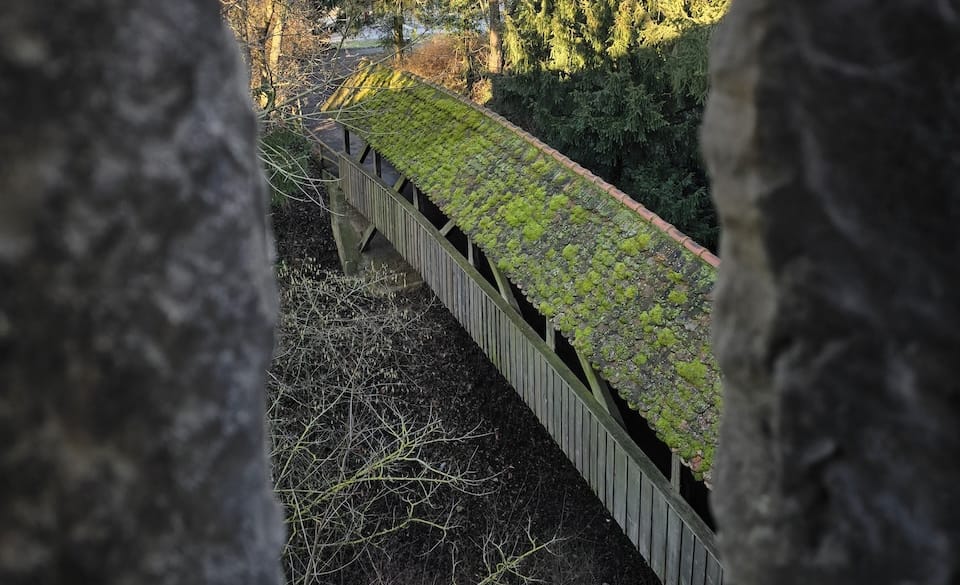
<point x="537" y="496"/>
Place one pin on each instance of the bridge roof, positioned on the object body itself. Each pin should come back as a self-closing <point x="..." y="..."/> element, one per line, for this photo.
<point x="627" y="289"/>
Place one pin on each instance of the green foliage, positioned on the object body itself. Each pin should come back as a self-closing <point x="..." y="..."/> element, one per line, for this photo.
<point x="288" y="164"/>
<point x="619" y="86"/>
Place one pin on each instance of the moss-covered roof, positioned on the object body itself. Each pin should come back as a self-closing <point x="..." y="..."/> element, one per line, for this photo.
<point x="626" y="289"/>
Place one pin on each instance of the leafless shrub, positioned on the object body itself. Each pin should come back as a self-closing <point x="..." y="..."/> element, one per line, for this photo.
<point x="361" y="474"/>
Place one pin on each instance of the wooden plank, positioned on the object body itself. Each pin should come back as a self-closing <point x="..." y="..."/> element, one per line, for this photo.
<point x="447" y="227"/>
<point x="546" y="398"/>
<point x="590" y="448"/>
<point x="713" y="570"/>
<point x="646" y="518"/>
<point x="620" y="488"/>
<point x="600" y="453"/>
<point x="510" y="340"/>
<point x="601" y="390"/>
<point x="503" y="285"/>
<point x="699" y="575"/>
<point x="674" y="545"/>
<point x="686" y="556"/>
<point x="579" y="420"/>
<point x="611" y="472"/>
<point x="675" y="471"/>
<point x="634" y="481"/>
<point x="658" y="536"/>
<point x="558" y="393"/>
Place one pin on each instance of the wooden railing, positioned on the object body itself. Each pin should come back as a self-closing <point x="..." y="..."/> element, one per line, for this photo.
<point x="672" y="538"/>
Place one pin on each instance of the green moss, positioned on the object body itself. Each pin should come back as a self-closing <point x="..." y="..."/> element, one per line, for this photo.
<point x="677" y="297"/>
<point x="579" y="215"/>
<point x="558" y="202"/>
<point x="694" y="372"/>
<point x="666" y="337"/>
<point x="570" y="252"/>
<point x="533" y="232"/>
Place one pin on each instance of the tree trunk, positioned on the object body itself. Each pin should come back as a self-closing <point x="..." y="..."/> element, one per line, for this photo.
<point x="263" y="26"/>
<point x="137" y="300"/>
<point x="273" y="44"/>
<point x="831" y="140"/>
<point x="399" y="42"/>
<point x="495" y="34"/>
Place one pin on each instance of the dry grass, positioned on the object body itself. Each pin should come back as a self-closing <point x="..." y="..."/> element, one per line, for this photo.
<point x="453" y="61"/>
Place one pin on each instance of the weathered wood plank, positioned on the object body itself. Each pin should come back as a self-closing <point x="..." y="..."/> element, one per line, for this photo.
<point x="558" y="394"/>
<point x="646" y="518"/>
<point x="658" y="537"/>
<point x="674" y="546"/>
<point x="632" y="514"/>
<point x="713" y="570"/>
<point x="699" y="574"/>
<point x="600" y="457"/>
<point x="581" y="446"/>
<point x="611" y="472"/>
<point x="686" y="556"/>
<point x="620" y="486"/>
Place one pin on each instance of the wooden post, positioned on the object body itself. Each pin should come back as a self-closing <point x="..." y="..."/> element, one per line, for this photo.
<point x="365" y="153"/>
<point x="549" y="334"/>
<point x="377" y="164"/>
<point x="504" y="286"/>
<point x="366" y="238"/>
<point x="601" y="390"/>
<point x="346" y="140"/>
<point x="447" y="228"/>
<point x="675" y="471"/>
<point x="470" y="257"/>
<point x="344" y="233"/>
<point x="416" y="198"/>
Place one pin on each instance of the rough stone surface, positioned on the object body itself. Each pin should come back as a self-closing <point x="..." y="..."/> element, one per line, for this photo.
<point x="136" y="300"/>
<point x="833" y="141"/>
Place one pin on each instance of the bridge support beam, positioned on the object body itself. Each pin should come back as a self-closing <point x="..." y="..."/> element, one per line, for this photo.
<point x="346" y="236"/>
<point x="601" y="391"/>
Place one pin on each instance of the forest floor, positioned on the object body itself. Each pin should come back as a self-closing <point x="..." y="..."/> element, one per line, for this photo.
<point x="516" y="511"/>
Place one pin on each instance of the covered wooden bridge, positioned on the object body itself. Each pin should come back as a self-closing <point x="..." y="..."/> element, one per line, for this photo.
<point x="595" y="310"/>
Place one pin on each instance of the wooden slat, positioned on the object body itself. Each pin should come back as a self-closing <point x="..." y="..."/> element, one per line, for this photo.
<point x="674" y="545"/>
<point x="686" y="556"/>
<point x="590" y="449"/>
<point x="634" y="481"/>
<point x="713" y="570"/>
<point x="620" y="486"/>
<point x="583" y="420"/>
<point x="658" y="536"/>
<point x="558" y="394"/>
<point x="611" y="474"/>
<point x="600" y="458"/>
<point x="699" y="575"/>
<point x="646" y="518"/>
